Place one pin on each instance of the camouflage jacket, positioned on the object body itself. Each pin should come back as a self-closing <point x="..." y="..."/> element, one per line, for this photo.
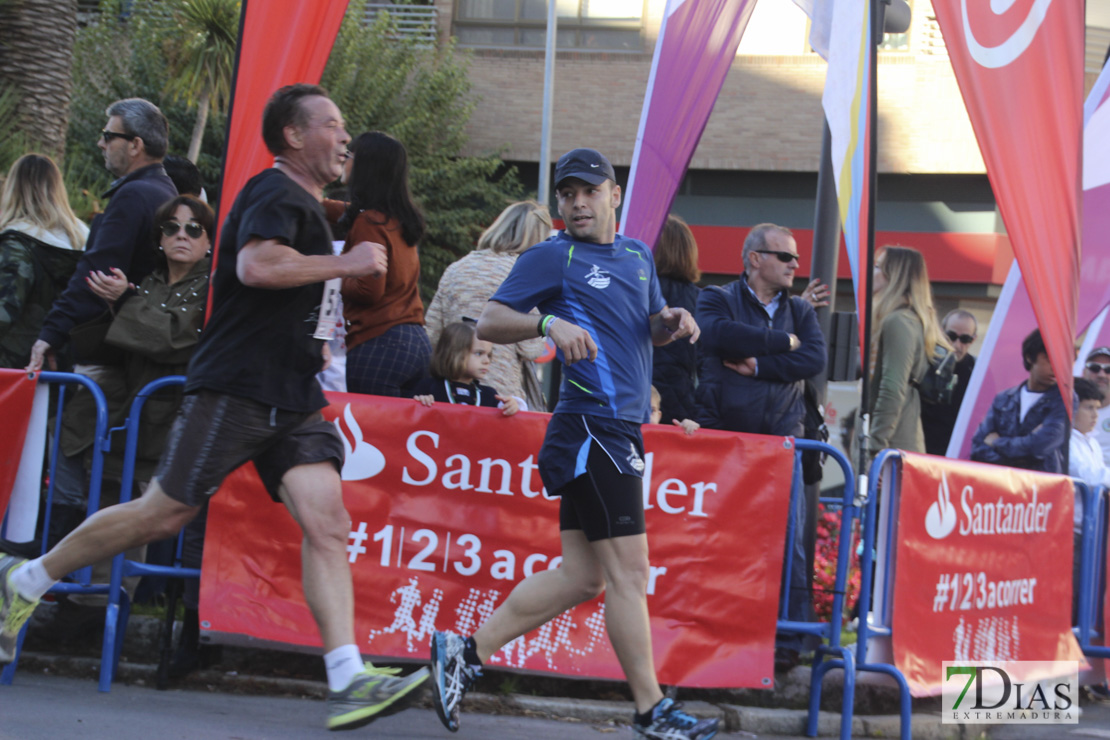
<point x="32" y="274"/>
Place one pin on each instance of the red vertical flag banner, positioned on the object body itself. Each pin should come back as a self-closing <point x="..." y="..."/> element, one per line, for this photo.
<point x="281" y="42"/>
<point x="448" y="514"/>
<point x="1020" y="69"/>
<point x="17" y="395"/>
<point x="983" y="559"/>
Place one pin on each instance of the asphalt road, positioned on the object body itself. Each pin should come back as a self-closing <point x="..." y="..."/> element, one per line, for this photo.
<point x="38" y="707"/>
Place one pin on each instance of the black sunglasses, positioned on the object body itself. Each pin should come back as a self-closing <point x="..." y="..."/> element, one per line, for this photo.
<point x="193" y="231"/>
<point x="1097" y="368"/>
<point x="963" y="338"/>
<point x="109" y="135"/>
<point x="784" y="257"/>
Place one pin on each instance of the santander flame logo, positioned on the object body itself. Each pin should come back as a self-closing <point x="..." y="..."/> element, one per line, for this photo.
<point x="940" y="519"/>
<point x="362" y="461"/>
<point x="993" y="57"/>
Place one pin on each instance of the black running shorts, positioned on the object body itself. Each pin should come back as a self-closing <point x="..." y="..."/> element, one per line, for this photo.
<point x="215" y="433"/>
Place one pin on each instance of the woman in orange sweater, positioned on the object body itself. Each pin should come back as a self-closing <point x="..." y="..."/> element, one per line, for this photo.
<point x="387" y="347"/>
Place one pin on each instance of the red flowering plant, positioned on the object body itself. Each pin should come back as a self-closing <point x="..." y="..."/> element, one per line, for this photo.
<point x="824" y="565"/>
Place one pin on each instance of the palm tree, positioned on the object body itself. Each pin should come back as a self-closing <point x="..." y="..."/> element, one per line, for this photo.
<point x="36" y="57"/>
<point x="202" y="58"/>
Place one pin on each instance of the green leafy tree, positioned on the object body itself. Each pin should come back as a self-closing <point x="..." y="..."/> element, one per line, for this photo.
<point x="202" y="58"/>
<point x="123" y="55"/>
<point x="383" y="80"/>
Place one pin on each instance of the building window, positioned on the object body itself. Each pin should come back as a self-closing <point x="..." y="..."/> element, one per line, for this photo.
<point x="589" y="25"/>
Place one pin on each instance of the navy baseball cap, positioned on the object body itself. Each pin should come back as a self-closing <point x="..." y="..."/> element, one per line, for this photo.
<point x="1098" y="351"/>
<point x="588" y="165"/>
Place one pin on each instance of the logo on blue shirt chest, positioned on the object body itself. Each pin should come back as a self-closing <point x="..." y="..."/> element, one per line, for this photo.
<point x="598" y="278"/>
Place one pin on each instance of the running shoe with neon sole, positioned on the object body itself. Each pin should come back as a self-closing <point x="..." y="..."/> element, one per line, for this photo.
<point x="14" y="609"/>
<point x="375" y="692"/>
<point x="669" y="722"/>
<point x="452" y="677"/>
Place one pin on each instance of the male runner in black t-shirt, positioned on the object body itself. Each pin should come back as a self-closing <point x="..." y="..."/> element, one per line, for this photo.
<point x="252" y="395"/>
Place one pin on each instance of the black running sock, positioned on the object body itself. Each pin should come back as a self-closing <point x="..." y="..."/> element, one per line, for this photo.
<point x="470" y="652"/>
<point x="644" y="720"/>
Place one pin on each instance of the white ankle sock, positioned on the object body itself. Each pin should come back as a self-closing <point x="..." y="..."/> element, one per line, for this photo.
<point x="31" y="580"/>
<point x="343" y="664"/>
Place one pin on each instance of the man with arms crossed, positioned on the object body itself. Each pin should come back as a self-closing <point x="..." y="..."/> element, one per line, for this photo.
<point x="601" y="305"/>
<point x="252" y="395"/>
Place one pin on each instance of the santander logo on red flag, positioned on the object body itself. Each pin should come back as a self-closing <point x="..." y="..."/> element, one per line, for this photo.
<point x="1001" y="54"/>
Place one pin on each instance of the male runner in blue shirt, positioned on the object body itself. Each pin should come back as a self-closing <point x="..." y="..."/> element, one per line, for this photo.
<point x="600" y="302"/>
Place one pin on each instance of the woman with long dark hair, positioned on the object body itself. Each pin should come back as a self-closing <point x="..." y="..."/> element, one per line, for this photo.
<point x="675" y="366"/>
<point x="387" y="347"/>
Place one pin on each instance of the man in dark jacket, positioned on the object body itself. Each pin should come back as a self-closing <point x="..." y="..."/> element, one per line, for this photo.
<point x="758" y="347"/>
<point x="134" y="142"/>
<point x="1027" y="426"/>
<point x="758" y="344"/>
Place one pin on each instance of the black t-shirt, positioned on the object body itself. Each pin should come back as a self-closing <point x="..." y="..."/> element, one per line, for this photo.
<point x="450" y="391"/>
<point x="258" y="342"/>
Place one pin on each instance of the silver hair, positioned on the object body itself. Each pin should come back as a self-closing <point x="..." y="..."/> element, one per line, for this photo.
<point x="142" y="118"/>
<point x="757" y="239"/>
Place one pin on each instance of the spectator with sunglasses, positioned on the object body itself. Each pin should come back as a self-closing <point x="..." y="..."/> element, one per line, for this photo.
<point x="1097" y="371"/>
<point x="133" y="142"/>
<point x="758" y="347"/>
<point x="938" y="420"/>
<point x="152" y="330"/>
<point x="1027" y="425"/>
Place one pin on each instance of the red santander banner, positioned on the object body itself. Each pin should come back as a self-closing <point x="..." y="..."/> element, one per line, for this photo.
<point x="17" y="395"/>
<point x="448" y="514"/>
<point x="990" y="550"/>
<point x="1019" y="65"/>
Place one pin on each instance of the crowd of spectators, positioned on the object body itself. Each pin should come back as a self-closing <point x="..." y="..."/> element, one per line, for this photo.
<point x="124" y="303"/>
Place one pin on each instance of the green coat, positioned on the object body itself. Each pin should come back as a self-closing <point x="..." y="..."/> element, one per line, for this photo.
<point x="32" y="275"/>
<point x="158" y="328"/>
<point x="894" y="401"/>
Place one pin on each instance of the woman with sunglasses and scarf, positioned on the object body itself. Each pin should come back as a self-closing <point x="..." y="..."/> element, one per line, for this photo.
<point x="153" y="331"/>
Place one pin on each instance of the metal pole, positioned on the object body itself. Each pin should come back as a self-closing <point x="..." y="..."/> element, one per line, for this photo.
<point x="826" y="255"/>
<point x="826" y="246"/>
<point x="865" y="278"/>
<point x="544" y="186"/>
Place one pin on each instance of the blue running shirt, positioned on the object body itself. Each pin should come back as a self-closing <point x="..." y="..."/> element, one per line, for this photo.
<point x="611" y="291"/>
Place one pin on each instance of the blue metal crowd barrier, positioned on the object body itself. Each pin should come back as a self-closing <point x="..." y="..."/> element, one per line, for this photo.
<point x="1092" y="571"/>
<point x="119" y="601"/>
<point x="80" y="580"/>
<point x="1091" y="575"/>
<point x="834" y="655"/>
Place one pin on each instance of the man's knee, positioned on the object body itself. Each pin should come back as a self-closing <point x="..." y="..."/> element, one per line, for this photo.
<point x="590" y="585"/>
<point x="161" y="517"/>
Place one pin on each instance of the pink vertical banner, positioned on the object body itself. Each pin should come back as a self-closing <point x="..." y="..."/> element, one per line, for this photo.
<point x="1094" y="278"/>
<point x="999" y="364"/>
<point x="697" y="43"/>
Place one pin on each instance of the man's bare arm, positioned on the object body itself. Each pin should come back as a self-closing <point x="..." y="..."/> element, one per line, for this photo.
<point x="503" y="325"/>
<point x="266" y="263"/>
<point x="671" y="324"/>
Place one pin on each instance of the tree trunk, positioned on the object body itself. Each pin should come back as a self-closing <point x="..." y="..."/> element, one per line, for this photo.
<point x="36" y="57"/>
<point x="198" y="128"/>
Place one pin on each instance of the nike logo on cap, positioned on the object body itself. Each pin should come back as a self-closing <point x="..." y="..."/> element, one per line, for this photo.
<point x="595" y="165"/>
